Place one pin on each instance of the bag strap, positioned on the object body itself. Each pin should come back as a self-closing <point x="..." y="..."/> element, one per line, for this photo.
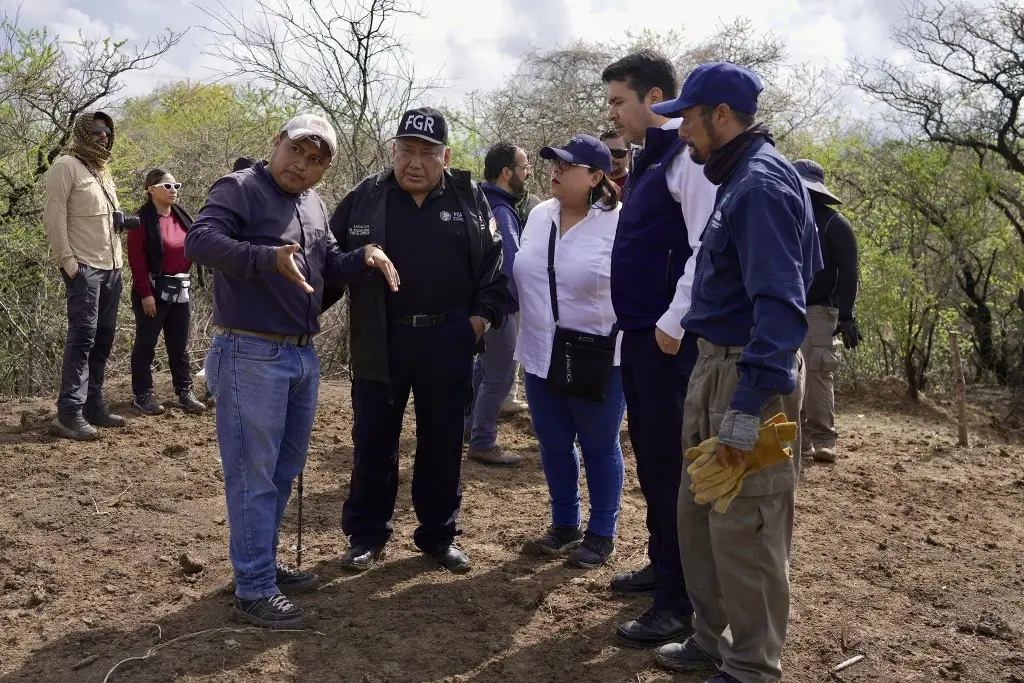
<point x="111" y="202"/>
<point x="551" y="272"/>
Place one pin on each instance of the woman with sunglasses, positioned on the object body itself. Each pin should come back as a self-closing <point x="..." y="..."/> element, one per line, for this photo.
<point x="160" y="293"/>
<point x="581" y="217"/>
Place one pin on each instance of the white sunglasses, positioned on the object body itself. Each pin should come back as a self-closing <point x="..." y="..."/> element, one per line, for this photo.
<point x="169" y="186"/>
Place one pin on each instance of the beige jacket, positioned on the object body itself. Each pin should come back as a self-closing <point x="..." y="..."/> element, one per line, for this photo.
<point x="77" y="218"/>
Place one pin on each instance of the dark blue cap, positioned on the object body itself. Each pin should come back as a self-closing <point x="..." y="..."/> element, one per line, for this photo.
<point x="714" y="84"/>
<point x="582" y="149"/>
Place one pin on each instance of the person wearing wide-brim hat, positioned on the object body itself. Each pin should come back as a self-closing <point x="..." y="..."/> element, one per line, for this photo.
<point x="830" y="303"/>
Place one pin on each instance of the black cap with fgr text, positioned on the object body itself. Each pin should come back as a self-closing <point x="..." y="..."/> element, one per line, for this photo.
<point x="425" y="123"/>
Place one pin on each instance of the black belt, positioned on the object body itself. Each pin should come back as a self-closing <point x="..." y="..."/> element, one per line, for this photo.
<point x="427" y="319"/>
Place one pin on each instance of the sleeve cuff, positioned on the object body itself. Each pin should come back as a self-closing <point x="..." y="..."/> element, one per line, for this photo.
<point x="671" y="324"/>
<point x="749" y="400"/>
<point x="266" y="261"/>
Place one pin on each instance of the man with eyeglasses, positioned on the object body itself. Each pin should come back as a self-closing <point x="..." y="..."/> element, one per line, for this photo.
<point x="667" y="204"/>
<point x="620" y="157"/>
<point x="442" y="236"/>
<point x="506" y="172"/>
<point x="264" y="233"/>
<point x="81" y="216"/>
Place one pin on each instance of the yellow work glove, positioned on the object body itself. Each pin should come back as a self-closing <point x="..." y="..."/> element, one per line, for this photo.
<point x="710" y="481"/>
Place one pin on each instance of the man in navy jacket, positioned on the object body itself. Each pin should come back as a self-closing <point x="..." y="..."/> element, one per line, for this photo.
<point x="758" y="255"/>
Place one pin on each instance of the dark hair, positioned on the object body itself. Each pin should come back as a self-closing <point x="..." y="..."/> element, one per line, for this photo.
<point x="643" y="71"/>
<point x="610" y="135"/>
<point x="153" y="177"/>
<point x="606" y="195"/>
<point x="499" y="157"/>
<point x="744" y="118"/>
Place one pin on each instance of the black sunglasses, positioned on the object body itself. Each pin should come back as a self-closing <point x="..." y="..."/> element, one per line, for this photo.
<point x="619" y="153"/>
<point x="96" y="130"/>
<point x="169" y="186"/>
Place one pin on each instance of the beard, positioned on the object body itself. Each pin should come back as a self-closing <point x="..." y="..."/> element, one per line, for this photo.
<point x="698" y="158"/>
<point x="518" y="186"/>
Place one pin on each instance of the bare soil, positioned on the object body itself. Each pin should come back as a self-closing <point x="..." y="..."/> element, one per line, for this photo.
<point x="909" y="550"/>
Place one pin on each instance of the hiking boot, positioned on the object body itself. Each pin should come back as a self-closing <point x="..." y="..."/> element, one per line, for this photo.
<point x="74" y="427"/>
<point x="826" y="454"/>
<point x="189" y="403"/>
<point x="495" y="457"/>
<point x="147" y="405"/>
<point x="291" y="581"/>
<point x="593" y="552"/>
<point x="99" y="416"/>
<point x="655" y="627"/>
<point x="559" y="540"/>
<point x="277" y="612"/>
<point x="639" y="582"/>
<point x="686" y="657"/>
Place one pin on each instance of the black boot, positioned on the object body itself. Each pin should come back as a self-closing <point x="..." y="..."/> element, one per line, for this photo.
<point x="147" y="404"/>
<point x="98" y="416"/>
<point x="639" y="582"/>
<point x="593" y="552"/>
<point x="189" y="403"/>
<point x="655" y="627"/>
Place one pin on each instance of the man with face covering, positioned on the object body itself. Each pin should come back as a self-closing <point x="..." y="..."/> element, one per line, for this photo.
<point x="758" y="255"/>
<point x="79" y="216"/>
<point x="440" y="232"/>
<point x="264" y="233"/>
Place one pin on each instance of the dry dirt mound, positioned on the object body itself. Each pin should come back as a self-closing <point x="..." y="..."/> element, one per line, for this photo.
<point x="908" y="550"/>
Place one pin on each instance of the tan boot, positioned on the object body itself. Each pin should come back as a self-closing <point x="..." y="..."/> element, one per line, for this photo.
<point x="495" y="457"/>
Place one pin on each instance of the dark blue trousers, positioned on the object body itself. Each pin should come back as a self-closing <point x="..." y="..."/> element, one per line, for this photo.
<point x="436" y="364"/>
<point x="655" y="388"/>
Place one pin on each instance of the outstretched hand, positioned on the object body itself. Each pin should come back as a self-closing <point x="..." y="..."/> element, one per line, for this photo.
<point x="376" y="258"/>
<point x="286" y="266"/>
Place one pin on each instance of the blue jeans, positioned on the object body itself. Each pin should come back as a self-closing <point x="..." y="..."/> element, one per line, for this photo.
<point x="266" y="400"/>
<point x="558" y="422"/>
<point x="493" y="375"/>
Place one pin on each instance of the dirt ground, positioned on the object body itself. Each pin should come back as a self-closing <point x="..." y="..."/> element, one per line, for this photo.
<point x="908" y="550"/>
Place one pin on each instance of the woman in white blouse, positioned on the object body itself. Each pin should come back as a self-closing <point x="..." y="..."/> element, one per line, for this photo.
<point x="584" y="211"/>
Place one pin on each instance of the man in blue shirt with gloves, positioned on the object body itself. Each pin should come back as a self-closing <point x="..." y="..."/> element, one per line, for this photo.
<point x="758" y="255"/>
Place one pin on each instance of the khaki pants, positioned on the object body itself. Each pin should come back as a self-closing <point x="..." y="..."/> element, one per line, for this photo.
<point x="818" y="415"/>
<point x="737" y="564"/>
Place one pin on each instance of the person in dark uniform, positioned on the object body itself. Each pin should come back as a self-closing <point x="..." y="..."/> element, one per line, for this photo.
<point x="443" y="239"/>
<point x="829" y="313"/>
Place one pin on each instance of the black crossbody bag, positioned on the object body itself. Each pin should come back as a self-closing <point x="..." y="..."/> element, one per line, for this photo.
<point x="581" y="362"/>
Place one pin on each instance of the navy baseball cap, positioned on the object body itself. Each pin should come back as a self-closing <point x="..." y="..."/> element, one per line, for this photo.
<point x="425" y="123"/>
<point x="813" y="176"/>
<point x="585" y="150"/>
<point x="714" y="84"/>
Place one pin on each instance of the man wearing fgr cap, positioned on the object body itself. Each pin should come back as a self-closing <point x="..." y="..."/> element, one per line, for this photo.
<point x="829" y="312"/>
<point x="264" y="233"/>
<point x="439" y="230"/>
<point x="758" y="254"/>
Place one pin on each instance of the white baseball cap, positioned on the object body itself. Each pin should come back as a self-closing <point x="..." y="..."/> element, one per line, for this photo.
<point x="311" y="126"/>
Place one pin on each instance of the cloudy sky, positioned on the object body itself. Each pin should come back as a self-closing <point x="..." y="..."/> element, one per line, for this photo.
<point x="474" y="43"/>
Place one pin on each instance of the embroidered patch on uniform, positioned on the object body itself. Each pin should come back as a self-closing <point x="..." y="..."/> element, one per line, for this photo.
<point x="360" y="231"/>
<point x="457" y="216"/>
<point x="445" y="216"/>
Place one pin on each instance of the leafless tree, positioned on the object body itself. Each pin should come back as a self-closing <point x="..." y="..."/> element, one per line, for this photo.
<point x="345" y="59"/>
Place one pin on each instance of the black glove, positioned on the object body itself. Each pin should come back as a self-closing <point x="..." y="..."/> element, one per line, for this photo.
<point x="851" y="334"/>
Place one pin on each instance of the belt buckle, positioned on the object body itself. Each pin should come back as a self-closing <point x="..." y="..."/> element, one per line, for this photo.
<point x="418" y="317"/>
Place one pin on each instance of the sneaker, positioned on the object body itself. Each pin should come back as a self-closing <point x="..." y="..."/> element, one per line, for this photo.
<point x="99" y="416"/>
<point x="559" y="540"/>
<point x="291" y="581"/>
<point x="513" y="408"/>
<point x="74" y="427"/>
<point x="277" y="612"/>
<point x="189" y="403"/>
<point x="593" y="552"/>
<point x="147" y="404"/>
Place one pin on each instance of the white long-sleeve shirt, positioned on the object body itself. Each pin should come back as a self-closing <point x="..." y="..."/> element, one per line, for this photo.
<point x="696" y="196"/>
<point x="583" y="264"/>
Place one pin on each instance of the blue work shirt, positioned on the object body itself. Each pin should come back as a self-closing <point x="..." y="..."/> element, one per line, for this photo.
<point x="758" y="256"/>
<point x="503" y="206"/>
<point x="246" y="217"/>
